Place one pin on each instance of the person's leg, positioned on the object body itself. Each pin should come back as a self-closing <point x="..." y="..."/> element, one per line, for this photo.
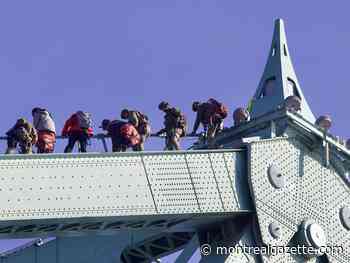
<point x="71" y="141"/>
<point x="50" y="145"/>
<point x="174" y="139"/>
<point x="136" y="148"/>
<point x="115" y="148"/>
<point x="83" y="140"/>
<point x="46" y="142"/>
<point x="25" y="147"/>
<point x="11" y="145"/>
<point x="140" y="147"/>
<point x="168" y="146"/>
<point x="118" y="148"/>
<point x="178" y="134"/>
<point x="175" y="143"/>
<point x="145" y="132"/>
<point x="124" y="148"/>
<point x="29" y="149"/>
<point x="211" y="133"/>
<point x="40" y="144"/>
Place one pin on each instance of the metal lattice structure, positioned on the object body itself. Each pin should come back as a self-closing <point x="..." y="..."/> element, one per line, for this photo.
<point x="275" y="181"/>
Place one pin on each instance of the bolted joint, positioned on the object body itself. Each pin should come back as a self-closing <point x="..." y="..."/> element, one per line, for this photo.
<point x="275" y="230"/>
<point x="312" y="236"/>
<point x="276" y="178"/>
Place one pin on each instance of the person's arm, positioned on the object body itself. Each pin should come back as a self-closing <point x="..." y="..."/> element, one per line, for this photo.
<point x="161" y="131"/>
<point x="197" y="123"/>
<point x="66" y="127"/>
<point x="34" y="135"/>
<point x="35" y="121"/>
<point x="10" y="131"/>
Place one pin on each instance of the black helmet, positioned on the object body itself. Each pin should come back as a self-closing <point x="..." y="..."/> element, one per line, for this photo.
<point x="124" y="114"/>
<point x="163" y="105"/>
<point x="36" y="109"/>
<point x="21" y="121"/>
<point x="195" y="105"/>
<point x="105" y="123"/>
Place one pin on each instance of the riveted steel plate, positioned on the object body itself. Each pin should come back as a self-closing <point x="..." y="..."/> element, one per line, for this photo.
<point x="171" y="183"/>
<point x="73" y="187"/>
<point x="204" y="182"/>
<point x="226" y="168"/>
<point x="112" y="185"/>
<point x="193" y="182"/>
<point x="237" y="179"/>
<point x="312" y="191"/>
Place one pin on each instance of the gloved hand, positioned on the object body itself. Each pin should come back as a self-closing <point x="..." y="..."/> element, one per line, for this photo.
<point x="159" y="133"/>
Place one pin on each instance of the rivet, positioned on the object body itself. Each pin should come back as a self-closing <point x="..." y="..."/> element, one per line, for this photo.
<point x="276" y="178"/>
<point x="345" y="217"/>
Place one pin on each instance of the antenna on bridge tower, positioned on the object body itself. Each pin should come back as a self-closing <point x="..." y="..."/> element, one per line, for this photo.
<point x="279" y="80"/>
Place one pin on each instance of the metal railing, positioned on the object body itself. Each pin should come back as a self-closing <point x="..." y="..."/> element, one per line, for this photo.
<point x="102" y="137"/>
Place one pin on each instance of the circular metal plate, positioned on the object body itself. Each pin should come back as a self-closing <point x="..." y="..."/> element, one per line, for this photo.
<point x="345" y="217"/>
<point x="276" y="177"/>
<point x="275" y="230"/>
<point x="317" y="236"/>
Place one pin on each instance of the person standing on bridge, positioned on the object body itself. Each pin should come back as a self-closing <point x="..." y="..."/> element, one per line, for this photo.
<point x="45" y="126"/>
<point x="175" y="126"/>
<point x="211" y="115"/>
<point x="78" y="128"/>
<point x="240" y="116"/>
<point x="123" y="134"/>
<point x="23" y="134"/>
<point x="141" y="123"/>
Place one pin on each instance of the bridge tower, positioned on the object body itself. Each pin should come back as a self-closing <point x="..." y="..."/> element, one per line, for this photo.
<point x="279" y="80"/>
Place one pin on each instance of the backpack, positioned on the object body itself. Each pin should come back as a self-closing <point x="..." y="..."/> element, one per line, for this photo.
<point x="208" y="111"/>
<point x="130" y="134"/>
<point x="181" y="121"/>
<point x="142" y="117"/>
<point x="84" y="119"/>
<point x="22" y="134"/>
<point x="144" y="127"/>
<point x="43" y="121"/>
<point x="221" y="109"/>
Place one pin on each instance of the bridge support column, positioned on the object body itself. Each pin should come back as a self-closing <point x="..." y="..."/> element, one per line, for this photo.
<point x="225" y="243"/>
<point x="78" y="249"/>
<point x="189" y="250"/>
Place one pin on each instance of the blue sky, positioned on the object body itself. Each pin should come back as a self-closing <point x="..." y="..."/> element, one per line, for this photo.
<point x="101" y="56"/>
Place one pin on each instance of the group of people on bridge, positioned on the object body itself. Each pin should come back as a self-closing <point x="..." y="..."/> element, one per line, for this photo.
<point x="130" y="131"/>
<point x="133" y="128"/>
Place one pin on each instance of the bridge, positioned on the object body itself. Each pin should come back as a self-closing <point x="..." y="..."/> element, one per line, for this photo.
<point x="277" y="181"/>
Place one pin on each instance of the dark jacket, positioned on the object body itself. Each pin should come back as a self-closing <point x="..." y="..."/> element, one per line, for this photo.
<point x="205" y="115"/>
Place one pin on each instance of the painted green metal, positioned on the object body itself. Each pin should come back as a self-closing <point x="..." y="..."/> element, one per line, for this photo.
<point x="279" y="80"/>
<point x="145" y="201"/>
